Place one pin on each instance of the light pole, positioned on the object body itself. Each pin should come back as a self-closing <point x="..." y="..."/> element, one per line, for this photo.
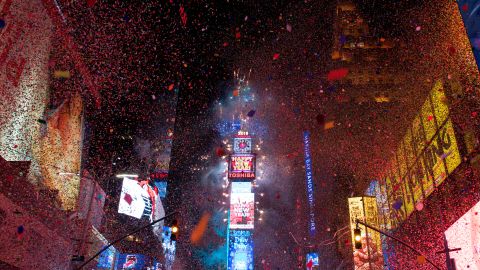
<point x="398" y="240"/>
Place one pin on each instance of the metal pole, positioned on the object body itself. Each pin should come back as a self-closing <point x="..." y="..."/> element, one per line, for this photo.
<point x="398" y="240"/>
<point x="125" y="236"/>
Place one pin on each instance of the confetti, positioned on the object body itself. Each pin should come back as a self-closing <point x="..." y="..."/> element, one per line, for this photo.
<point x="200" y="229"/>
<point x="251" y="113"/>
<point x="65" y="74"/>
<point x="289" y="27"/>
<point x="337" y="74"/>
<point x="2" y="23"/>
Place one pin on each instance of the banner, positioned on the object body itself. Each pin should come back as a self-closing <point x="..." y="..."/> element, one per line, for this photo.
<point x="370" y="255"/>
<point x="242" y="210"/>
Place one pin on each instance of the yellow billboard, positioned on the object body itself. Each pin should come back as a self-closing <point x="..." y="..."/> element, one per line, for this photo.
<point x="424" y="158"/>
<point x="370" y="255"/>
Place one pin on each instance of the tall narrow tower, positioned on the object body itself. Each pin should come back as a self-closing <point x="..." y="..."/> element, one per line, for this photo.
<point x="241" y="174"/>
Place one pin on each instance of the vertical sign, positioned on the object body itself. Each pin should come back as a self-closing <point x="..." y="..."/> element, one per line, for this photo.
<point x="240" y="255"/>
<point x="370" y="255"/>
<point x="309" y="178"/>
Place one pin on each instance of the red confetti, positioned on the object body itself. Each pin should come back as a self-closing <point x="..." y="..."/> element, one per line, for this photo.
<point x="465" y="7"/>
<point x="276" y="56"/>
<point x="128" y="198"/>
<point x="91" y="3"/>
<point x="337" y="74"/>
<point x="474" y="114"/>
<point x="171" y="86"/>
<point x="225" y="44"/>
<point x="430" y="118"/>
<point x="238" y="35"/>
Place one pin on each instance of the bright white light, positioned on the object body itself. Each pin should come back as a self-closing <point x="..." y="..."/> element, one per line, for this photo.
<point x="67" y="173"/>
<point x="126" y="175"/>
<point x="261" y="211"/>
<point x="261" y="194"/>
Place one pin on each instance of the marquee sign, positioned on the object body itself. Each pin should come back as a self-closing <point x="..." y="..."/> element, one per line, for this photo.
<point x="241" y="166"/>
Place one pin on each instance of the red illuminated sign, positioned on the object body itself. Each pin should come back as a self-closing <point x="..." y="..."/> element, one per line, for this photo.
<point x="241" y="166"/>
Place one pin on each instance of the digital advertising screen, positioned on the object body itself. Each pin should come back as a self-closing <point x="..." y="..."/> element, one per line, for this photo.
<point x="241" y="187"/>
<point x="465" y="234"/>
<point x="134" y="262"/>
<point x="242" y="145"/>
<point x="141" y="199"/>
<point x="162" y="188"/>
<point x="169" y="246"/>
<point x="105" y="259"/>
<point x="240" y="250"/>
<point x="242" y="210"/>
<point x="313" y="256"/>
<point x="241" y="166"/>
<point x="365" y="209"/>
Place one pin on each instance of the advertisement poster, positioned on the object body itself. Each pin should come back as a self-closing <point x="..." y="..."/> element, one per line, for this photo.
<point x="241" y="166"/>
<point x="465" y="234"/>
<point x="240" y="250"/>
<point x="370" y="256"/>
<point x="242" y="145"/>
<point x="242" y="210"/>
<point x="134" y="262"/>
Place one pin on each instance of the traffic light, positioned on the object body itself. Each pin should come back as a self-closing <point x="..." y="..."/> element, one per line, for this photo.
<point x="357" y="236"/>
<point x="174" y="228"/>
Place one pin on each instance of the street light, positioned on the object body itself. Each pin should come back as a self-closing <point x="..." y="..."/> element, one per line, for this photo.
<point x="357" y="237"/>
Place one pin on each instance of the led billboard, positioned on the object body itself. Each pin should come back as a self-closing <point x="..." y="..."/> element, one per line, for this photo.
<point x="465" y="234"/>
<point x="241" y="187"/>
<point x="242" y="210"/>
<point x="169" y="246"/>
<point x="105" y="259"/>
<point x="242" y="145"/>
<point x="241" y="166"/>
<point x="425" y="157"/>
<point x="312" y="256"/>
<point x="240" y="250"/>
<point x="139" y="199"/>
<point x="370" y="255"/>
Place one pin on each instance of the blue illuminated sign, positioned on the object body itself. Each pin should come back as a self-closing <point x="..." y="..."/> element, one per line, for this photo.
<point x="309" y="177"/>
<point x="240" y="250"/>
<point x="162" y="188"/>
<point x="470" y="10"/>
<point x="105" y="259"/>
<point x="314" y="257"/>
